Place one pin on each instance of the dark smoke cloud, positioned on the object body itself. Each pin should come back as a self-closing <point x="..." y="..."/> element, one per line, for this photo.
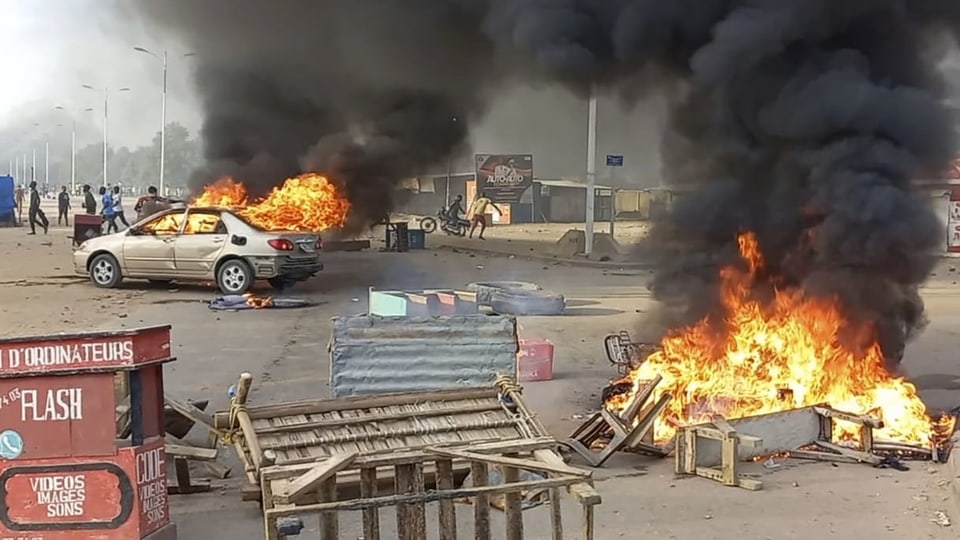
<point x="800" y="120"/>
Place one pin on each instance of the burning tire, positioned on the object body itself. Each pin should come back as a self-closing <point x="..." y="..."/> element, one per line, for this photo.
<point x="234" y="277"/>
<point x="105" y="271"/>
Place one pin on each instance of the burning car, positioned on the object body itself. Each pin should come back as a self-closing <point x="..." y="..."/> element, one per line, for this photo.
<point x="200" y="244"/>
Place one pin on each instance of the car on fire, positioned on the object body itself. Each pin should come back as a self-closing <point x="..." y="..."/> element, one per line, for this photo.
<point x="202" y="245"/>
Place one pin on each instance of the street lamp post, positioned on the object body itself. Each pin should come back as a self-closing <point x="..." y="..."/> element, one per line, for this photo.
<point x="163" y="110"/>
<point x="106" y="97"/>
<point x="73" y="145"/>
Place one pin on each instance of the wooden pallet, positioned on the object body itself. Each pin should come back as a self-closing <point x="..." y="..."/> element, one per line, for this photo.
<point x="630" y="431"/>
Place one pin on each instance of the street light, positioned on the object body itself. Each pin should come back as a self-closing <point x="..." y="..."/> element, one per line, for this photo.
<point x="163" y="108"/>
<point x="73" y="145"/>
<point x="106" y="95"/>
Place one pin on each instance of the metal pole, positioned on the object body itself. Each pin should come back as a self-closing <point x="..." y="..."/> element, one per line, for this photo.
<point x="591" y="170"/>
<point x="447" y="195"/>
<point x="16" y="168"/>
<point x="105" y="98"/>
<point x="73" y="158"/>
<point x="33" y="166"/>
<point x="613" y="199"/>
<point x="163" y="124"/>
<point x="46" y="163"/>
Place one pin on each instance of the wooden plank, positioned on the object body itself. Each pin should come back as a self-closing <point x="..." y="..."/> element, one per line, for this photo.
<point x="356" y="421"/>
<point x="822" y="456"/>
<point x="448" y="511"/>
<point x="583" y="491"/>
<point x="527" y="464"/>
<point x="190" y="452"/>
<point x="329" y="521"/>
<point x="411" y="518"/>
<point x="312" y="479"/>
<point x="511" y="505"/>
<point x="318" y="406"/>
<point x="481" y="504"/>
<point x="556" y="515"/>
<point x="859" y="455"/>
<point x="860" y="419"/>
<point x="185" y="408"/>
<point x="371" y="516"/>
<point x="588" y="518"/>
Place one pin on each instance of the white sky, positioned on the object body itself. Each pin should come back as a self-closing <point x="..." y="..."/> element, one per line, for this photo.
<point x="50" y="48"/>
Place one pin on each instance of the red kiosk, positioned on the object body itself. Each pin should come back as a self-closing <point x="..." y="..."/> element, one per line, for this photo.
<point x="63" y="474"/>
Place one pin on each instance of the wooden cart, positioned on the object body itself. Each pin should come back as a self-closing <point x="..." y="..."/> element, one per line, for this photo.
<point x="403" y="451"/>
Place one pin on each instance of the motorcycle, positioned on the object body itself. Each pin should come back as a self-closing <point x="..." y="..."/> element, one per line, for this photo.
<point x="458" y="227"/>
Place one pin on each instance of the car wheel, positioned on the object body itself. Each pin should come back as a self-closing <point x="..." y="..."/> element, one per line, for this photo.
<point x="234" y="277"/>
<point x="281" y="284"/>
<point x="105" y="271"/>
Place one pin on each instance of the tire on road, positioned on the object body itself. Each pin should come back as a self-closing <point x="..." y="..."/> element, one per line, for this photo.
<point x="234" y="276"/>
<point x="487" y="289"/>
<point x="527" y="302"/>
<point x="105" y="271"/>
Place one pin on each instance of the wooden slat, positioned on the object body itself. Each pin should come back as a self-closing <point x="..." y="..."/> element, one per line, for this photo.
<point x="329" y="521"/>
<point x="512" y="509"/>
<point x="371" y="516"/>
<point x="190" y="452"/>
<point x="354" y="421"/>
<point x="588" y="514"/>
<point x="527" y="464"/>
<point x="411" y="518"/>
<point x="366" y="402"/>
<point x="448" y="511"/>
<point x="312" y="479"/>
<point x="481" y="504"/>
<point x="556" y="515"/>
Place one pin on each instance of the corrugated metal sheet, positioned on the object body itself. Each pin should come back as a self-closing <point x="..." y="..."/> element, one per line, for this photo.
<point x="370" y="354"/>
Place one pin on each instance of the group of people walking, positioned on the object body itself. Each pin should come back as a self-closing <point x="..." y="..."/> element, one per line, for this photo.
<point x="111" y="207"/>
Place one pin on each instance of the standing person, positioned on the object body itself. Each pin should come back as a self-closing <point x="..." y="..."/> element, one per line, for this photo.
<point x="19" y="198"/>
<point x="107" y="211"/>
<point x="63" y="205"/>
<point x="89" y="201"/>
<point x="149" y="204"/>
<point x="118" y="206"/>
<point x="36" y="214"/>
<point x="479" y="212"/>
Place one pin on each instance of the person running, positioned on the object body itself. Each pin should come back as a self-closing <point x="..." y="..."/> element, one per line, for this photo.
<point x="36" y="215"/>
<point x="89" y="201"/>
<point x="107" y="211"/>
<point x="479" y="212"/>
<point x="118" y="206"/>
<point x="63" y="205"/>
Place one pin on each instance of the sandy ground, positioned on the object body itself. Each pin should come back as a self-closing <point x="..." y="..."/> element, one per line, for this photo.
<point x="285" y="350"/>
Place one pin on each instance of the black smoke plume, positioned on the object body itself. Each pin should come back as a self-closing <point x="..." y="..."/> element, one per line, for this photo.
<point x="800" y="120"/>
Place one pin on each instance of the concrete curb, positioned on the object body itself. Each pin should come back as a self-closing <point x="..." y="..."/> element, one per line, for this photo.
<point x="584" y="263"/>
<point x="953" y="471"/>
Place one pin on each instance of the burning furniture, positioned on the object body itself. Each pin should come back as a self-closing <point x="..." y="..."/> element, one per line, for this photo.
<point x="624" y="353"/>
<point x="398" y="450"/>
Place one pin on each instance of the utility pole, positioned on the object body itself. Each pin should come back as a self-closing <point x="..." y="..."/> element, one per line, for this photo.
<point x="591" y="170"/>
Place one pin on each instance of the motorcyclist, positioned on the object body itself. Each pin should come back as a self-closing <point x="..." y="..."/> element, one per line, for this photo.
<point x="453" y="212"/>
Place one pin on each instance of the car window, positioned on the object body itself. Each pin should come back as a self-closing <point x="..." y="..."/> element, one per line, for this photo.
<point x="164" y="225"/>
<point x="204" y="223"/>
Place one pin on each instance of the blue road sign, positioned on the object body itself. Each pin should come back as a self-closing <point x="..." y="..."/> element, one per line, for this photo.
<point x="614" y="160"/>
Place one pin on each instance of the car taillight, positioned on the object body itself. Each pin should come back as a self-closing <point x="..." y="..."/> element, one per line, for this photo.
<point x="319" y="244"/>
<point x="280" y="244"/>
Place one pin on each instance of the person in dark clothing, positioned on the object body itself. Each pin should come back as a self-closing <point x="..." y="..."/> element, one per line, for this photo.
<point x="63" y="205"/>
<point x="36" y="214"/>
<point x="89" y="201"/>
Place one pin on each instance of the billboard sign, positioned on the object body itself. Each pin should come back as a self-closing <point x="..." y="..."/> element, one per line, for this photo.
<point x="504" y="177"/>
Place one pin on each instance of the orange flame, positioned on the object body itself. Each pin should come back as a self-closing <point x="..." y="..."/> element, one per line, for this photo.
<point x="774" y="357"/>
<point x="308" y="203"/>
<point x="258" y="302"/>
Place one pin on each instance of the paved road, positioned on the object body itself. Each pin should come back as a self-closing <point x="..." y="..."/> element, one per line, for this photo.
<point x="286" y="352"/>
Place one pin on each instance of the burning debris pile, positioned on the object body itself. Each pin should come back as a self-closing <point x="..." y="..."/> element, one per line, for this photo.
<point x="762" y="355"/>
<point x="307" y="203"/>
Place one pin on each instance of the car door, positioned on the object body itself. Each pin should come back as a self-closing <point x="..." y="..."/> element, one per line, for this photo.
<point x="198" y="246"/>
<point x="148" y="248"/>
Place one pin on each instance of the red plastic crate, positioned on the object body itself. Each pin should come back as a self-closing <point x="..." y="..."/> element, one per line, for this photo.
<point x="535" y="360"/>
